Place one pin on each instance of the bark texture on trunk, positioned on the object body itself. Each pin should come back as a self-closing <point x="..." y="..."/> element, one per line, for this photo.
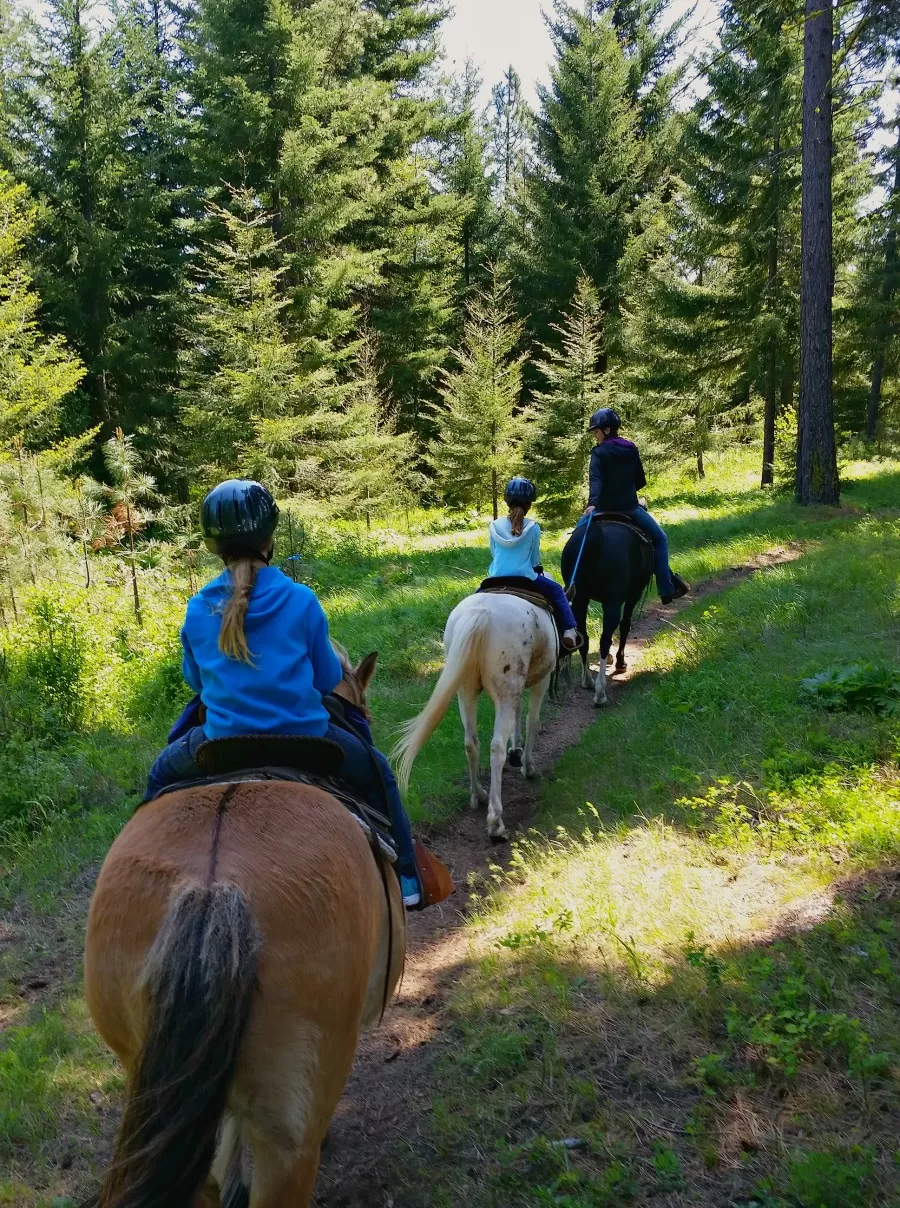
<point x="817" y="476"/>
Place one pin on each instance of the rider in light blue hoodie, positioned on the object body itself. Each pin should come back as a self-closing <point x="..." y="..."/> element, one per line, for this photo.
<point x="516" y="553"/>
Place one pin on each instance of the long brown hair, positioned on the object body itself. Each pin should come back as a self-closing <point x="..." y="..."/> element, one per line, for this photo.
<point x="516" y="520"/>
<point x="232" y="638"/>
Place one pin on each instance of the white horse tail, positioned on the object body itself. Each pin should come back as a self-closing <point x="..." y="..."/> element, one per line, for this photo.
<point x="464" y="648"/>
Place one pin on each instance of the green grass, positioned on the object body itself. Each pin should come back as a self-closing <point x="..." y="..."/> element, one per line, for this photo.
<point x="689" y="972"/>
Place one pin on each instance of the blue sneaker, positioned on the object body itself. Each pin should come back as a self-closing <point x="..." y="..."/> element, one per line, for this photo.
<point x="409" y="887"/>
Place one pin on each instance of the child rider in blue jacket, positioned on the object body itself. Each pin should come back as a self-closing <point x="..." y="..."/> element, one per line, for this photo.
<point x="256" y="649"/>
<point x="516" y="552"/>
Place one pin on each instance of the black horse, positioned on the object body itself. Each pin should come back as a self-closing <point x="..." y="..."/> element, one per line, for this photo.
<point x="615" y="569"/>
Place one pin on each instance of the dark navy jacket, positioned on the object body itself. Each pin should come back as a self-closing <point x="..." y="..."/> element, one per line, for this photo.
<point x="616" y="476"/>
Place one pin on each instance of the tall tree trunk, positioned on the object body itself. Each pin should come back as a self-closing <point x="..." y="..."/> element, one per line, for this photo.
<point x="817" y="475"/>
<point x="882" y="330"/>
<point x="771" y="389"/>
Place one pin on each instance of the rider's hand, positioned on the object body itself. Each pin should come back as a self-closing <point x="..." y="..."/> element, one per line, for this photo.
<point x="589" y="510"/>
<point x="643" y="502"/>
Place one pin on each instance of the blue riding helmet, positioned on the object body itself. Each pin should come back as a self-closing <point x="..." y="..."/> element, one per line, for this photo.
<point x="605" y="418"/>
<point x="520" y="493"/>
<point x="237" y="518"/>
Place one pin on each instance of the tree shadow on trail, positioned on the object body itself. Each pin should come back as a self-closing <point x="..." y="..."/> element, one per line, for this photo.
<point x="569" y="1066"/>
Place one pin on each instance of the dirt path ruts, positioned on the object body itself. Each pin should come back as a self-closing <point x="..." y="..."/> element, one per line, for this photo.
<point x="388" y="1090"/>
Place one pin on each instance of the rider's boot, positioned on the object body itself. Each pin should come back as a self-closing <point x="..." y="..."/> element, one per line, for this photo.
<point x="570" y="639"/>
<point x="681" y="589"/>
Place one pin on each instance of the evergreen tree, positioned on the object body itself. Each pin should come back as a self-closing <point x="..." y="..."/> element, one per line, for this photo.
<point x="37" y="372"/>
<point x="511" y="126"/>
<point x="575" y="213"/>
<point x="378" y="475"/>
<point x="479" y="431"/>
<point x="881" y="288"/>
<point x="559" y="443"/>
<point x="744" y="173"/>
<point x="255" y="397"/>
<point x="468" y="175"/>
<point x="817" y="473"/>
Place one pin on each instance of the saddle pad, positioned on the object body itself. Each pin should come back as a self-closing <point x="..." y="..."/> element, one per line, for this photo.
<point x="513" y="586"/>
<point x="318" y="756"/>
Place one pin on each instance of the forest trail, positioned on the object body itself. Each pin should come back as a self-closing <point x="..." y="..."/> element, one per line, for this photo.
<point x="388" y="1089"/>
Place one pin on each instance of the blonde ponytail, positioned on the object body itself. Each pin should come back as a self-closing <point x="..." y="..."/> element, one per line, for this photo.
<point x="516" y="520"/>
<point x="232" y="639"/>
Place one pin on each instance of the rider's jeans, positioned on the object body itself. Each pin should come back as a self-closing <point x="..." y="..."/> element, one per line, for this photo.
<point x="556" y="594"/>
<point x="177" y="762"/>
<point x="643" y="520"/>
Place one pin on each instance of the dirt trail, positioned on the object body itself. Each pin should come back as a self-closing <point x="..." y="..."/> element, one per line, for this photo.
<point x="388" y="1089"/>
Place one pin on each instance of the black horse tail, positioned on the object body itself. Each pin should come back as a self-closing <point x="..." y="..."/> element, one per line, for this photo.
<point x="200" y="979"/>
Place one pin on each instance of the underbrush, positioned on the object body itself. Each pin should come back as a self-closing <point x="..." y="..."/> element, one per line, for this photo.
<point x="688" y="986"/>
<point x="682" y="992"/>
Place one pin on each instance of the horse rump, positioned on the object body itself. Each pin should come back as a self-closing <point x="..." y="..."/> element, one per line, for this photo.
<point x="199" y="978"/>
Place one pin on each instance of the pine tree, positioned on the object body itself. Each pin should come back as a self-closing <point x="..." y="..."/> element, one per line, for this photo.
<point x="881" y="285"/>
<point x="576" y="209"/>
<point x="255" y="398"/>
<point x="378" y="474"/>
<point x="743" y="170"/>
<point x="468" y="176"/>
<point x="479" y="431"/>
<point x="511" y="126"/>
<point x="37" y="372"/>
<point x="817" y="473"/>
<point x="559" y="443"/>
<point x="129" y="487"/>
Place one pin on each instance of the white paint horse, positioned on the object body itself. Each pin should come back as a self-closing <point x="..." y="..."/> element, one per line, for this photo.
<point x="499" y="644"/>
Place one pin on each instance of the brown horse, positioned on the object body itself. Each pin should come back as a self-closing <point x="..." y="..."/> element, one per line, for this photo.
<point x="237" y="942"/>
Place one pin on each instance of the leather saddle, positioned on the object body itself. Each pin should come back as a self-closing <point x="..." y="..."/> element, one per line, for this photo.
<point x="516" y="585"/>
<point x="295" y="759"/>
<point x="624" y="519"/>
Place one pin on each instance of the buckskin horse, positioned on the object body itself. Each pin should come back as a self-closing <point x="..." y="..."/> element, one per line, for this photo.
<point x="500" y="644"/>
<point x="615" y="569"/>
<point x="239" y="938"/>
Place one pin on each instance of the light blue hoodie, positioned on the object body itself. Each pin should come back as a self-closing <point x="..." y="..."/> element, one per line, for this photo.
<point x="514" y="555"/>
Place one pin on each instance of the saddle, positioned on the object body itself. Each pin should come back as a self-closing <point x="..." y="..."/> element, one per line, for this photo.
<point x="623" y="519"/>
<point x="252" y="758"/>
<point x="516" y="585"/>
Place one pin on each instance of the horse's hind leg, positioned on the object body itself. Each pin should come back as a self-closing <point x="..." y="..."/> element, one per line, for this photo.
<point x="515" y="751"/>
<point x="282" y="1178"/>
<point x="624" y="630"/>
<point x="612" y="612"/>
<point x="468" y="711"/>
<point x="504" y="721"/>
<point x="538" y="692"/>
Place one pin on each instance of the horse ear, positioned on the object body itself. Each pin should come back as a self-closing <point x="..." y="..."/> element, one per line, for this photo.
<point x="365" y="670"/>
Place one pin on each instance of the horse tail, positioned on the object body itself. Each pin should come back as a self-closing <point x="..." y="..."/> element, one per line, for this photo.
<point x="464" y="647"/>
<point x="199" y="979"/>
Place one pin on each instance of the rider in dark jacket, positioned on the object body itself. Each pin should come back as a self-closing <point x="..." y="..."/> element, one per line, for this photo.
<point x="616" y="476"/>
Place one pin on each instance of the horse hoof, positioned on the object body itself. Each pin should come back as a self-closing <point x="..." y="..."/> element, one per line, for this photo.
<point x="497" y="839"/>
<point x="609" y="660"/>
<point x="620" y="668"/>
<point x="598" y="704"/>
<point x="514" y="758"/>
<point x="531" y="773"/>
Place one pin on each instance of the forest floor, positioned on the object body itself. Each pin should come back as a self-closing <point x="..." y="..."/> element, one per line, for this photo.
<point x="677" y="986"/>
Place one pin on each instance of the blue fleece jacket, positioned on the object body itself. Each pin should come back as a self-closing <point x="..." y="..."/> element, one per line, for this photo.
<point x="514" y="555"/>
<point x="293" y="664"/>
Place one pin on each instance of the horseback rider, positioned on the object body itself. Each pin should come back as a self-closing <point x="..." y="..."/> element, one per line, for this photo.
<point x="616" y="476"/>
<point x="257" y="650"/>
<point x="516" y="552"/>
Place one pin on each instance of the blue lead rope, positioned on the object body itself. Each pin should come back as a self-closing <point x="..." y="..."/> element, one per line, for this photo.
<point x="570" y="590"/>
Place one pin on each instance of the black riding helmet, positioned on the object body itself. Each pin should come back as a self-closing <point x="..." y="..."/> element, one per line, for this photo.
<point x="605" y="418"/>
<point x="237" y="518"/>
<point x="520" y="493"/>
